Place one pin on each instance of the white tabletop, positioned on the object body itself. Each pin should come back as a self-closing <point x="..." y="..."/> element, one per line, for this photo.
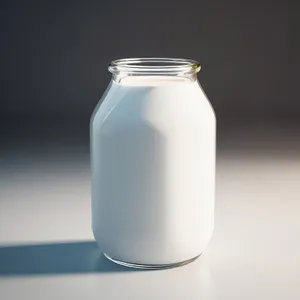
<point x="47" y="249"/>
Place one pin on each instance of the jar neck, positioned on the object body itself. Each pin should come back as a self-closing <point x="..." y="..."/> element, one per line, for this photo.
<point x="154" y="67"/>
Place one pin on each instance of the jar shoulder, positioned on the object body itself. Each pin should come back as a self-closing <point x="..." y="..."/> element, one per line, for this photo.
<point x="159" y="107"/>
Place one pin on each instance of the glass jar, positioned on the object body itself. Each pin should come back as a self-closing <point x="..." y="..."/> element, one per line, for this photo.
<point x="153" y="164"/>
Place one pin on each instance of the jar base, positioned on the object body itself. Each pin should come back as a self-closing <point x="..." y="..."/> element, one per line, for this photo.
<point x="150" y="266"/>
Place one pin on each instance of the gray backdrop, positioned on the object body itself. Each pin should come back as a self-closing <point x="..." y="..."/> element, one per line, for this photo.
<point x="55" y="54"/>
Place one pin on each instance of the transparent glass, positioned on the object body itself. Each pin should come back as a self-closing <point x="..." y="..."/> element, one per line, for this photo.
<point x="154" y="67"/>
<point x="153" y="164"/>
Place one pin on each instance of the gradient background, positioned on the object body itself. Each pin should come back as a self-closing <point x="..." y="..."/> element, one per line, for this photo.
<point x="54" y="70"/>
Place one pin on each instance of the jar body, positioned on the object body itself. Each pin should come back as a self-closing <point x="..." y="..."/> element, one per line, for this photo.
<point x="153" y="171"/>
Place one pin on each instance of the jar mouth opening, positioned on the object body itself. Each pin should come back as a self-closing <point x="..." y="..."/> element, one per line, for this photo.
<point x="154" y="66"/>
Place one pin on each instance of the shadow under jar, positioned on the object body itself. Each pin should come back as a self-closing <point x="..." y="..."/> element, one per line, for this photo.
<point x="153" y="142"/>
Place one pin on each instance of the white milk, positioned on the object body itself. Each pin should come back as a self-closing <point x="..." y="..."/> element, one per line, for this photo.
<point x="153" y="170"/>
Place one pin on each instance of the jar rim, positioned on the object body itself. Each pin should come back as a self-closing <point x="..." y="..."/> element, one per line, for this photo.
<point x="154" y="66"/>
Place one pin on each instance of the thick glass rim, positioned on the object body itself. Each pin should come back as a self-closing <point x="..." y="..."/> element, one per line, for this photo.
<point x="163" y="66"/>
